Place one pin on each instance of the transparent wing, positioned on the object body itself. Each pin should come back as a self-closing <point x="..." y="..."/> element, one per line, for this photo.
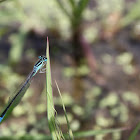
<point x="20" y="87"/>
<point x="16" y="97"/>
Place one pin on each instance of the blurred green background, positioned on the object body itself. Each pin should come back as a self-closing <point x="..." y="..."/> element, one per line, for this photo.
<point x="94" y="47"/>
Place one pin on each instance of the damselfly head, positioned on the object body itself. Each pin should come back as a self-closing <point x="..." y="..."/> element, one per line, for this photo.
<point x="42" y="57"/>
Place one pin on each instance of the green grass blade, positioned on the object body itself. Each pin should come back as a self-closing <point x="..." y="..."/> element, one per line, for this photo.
<point x="90" y="133"/>
<point x="135" y="132"/>
<point x="68" y="124"/>
<point x="50" y="104"/>
<point x="54" y="129"/>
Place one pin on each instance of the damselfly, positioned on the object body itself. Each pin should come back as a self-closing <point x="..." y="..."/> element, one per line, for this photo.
<point x="14" y="100"/>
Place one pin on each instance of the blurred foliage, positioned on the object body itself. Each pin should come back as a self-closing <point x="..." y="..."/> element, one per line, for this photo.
<point x="81" y="71"/>
<point x="67" y="100"/>
<point x="110" y="100"/>
<point x="125" y="60"/>
<point x="77" y="8"/>
<point x="131" y="97"/>
<point x="17" y="41"/>
<point x="132" y="15"/>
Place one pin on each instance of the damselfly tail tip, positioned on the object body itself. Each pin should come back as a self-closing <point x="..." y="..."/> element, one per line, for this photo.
<point x="1" y="118"/>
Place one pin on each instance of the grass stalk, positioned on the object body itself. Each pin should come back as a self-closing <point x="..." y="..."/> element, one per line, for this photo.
<point x="54" y="129"/>
<point x="134" y="132"/>
<point x="68" y="124"/>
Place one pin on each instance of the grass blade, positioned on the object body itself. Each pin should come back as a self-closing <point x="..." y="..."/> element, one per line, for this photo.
<point x="90" y="133"/>
<point x="135" y="132"/>
<point x="54" y="129"/>
<point x="68" y="124"/>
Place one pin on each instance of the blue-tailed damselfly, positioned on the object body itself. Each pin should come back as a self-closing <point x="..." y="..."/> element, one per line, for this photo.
<point x="19" y="94"/>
